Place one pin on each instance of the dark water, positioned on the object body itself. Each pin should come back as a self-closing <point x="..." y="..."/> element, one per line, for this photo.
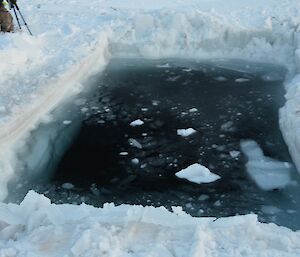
<point x="169" y="95"/>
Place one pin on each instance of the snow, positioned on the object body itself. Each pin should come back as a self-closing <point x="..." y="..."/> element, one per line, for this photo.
<point x="267" y="173"/>
<point x="186" y="132"/>
<point x="75" y="40"/>
<point x="38" y="228"/>
<point x="197" y="173"/>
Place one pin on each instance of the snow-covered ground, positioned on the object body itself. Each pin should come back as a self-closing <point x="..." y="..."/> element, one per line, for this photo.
<point x="74" y="40"/>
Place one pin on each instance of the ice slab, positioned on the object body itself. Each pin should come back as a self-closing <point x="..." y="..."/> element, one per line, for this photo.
<point x="197" y="173"/>
<point x="266" y="172"/>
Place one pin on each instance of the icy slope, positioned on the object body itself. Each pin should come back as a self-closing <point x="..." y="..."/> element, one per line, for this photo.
<point x="37" y="228"/>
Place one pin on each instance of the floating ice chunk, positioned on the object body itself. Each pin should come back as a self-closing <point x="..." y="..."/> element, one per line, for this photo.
<point x="203" y="197"/>
<point x="193" y="110"/>
<point x="220" y="79"/>
<point x="133" y="142"/>
<point x="67" y="122"/>
<point x="242" y="80"/>
<point x="67" y="186"/>
<point x="217" y="203"/>
<point x="186" y="132"/>
<point x="84" y="109"/>
<point x="135" y="161"/>
<point x="173" y="79"/>
<point x="267" y="173"/>
<point x="270" y="209"/>
<point x="163" y="65"/>
<point x="136" y="123"/>
<point x="234" y="154"/>
<point x="155" y="102"/>
<point x="197" y="173"/>
<point x="228" y="126"/>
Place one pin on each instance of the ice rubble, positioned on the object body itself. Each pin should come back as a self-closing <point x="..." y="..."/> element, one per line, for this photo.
<point x="267" y="173"/>
<point x="38" y="228"/>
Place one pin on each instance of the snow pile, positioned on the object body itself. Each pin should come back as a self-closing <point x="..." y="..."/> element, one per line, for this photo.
<point x="197" y="173"/>
<point x="267" y="173"/>
<point x="38" y="228"/>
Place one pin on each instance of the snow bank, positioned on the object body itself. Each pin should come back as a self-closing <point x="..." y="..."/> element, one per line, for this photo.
<point x="38" y="228"/>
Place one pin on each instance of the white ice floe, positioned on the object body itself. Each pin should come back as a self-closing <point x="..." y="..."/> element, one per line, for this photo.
<point x="267" y="173"/>
<point x="242" y="80"/>
<point x="136" y="123"/>
<point x="197" y="173"/>
<point x="186" y="132"/>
